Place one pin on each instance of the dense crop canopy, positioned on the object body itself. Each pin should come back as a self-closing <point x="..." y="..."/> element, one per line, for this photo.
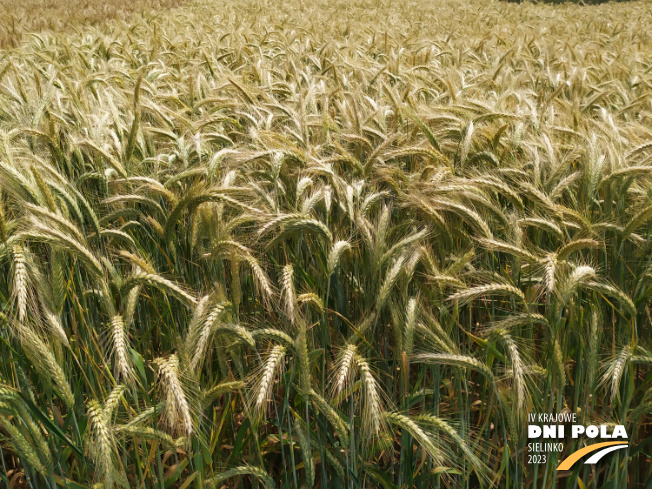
<point x="320" y="245"/>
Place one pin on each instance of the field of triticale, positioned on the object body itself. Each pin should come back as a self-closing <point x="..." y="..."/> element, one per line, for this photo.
<point x="327" y="244"/>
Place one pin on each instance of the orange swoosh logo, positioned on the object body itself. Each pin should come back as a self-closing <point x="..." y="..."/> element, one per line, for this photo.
<point x="575" y="456"/>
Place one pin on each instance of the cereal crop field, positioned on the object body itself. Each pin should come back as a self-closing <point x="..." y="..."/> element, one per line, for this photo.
<point x="329" y="244"/>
